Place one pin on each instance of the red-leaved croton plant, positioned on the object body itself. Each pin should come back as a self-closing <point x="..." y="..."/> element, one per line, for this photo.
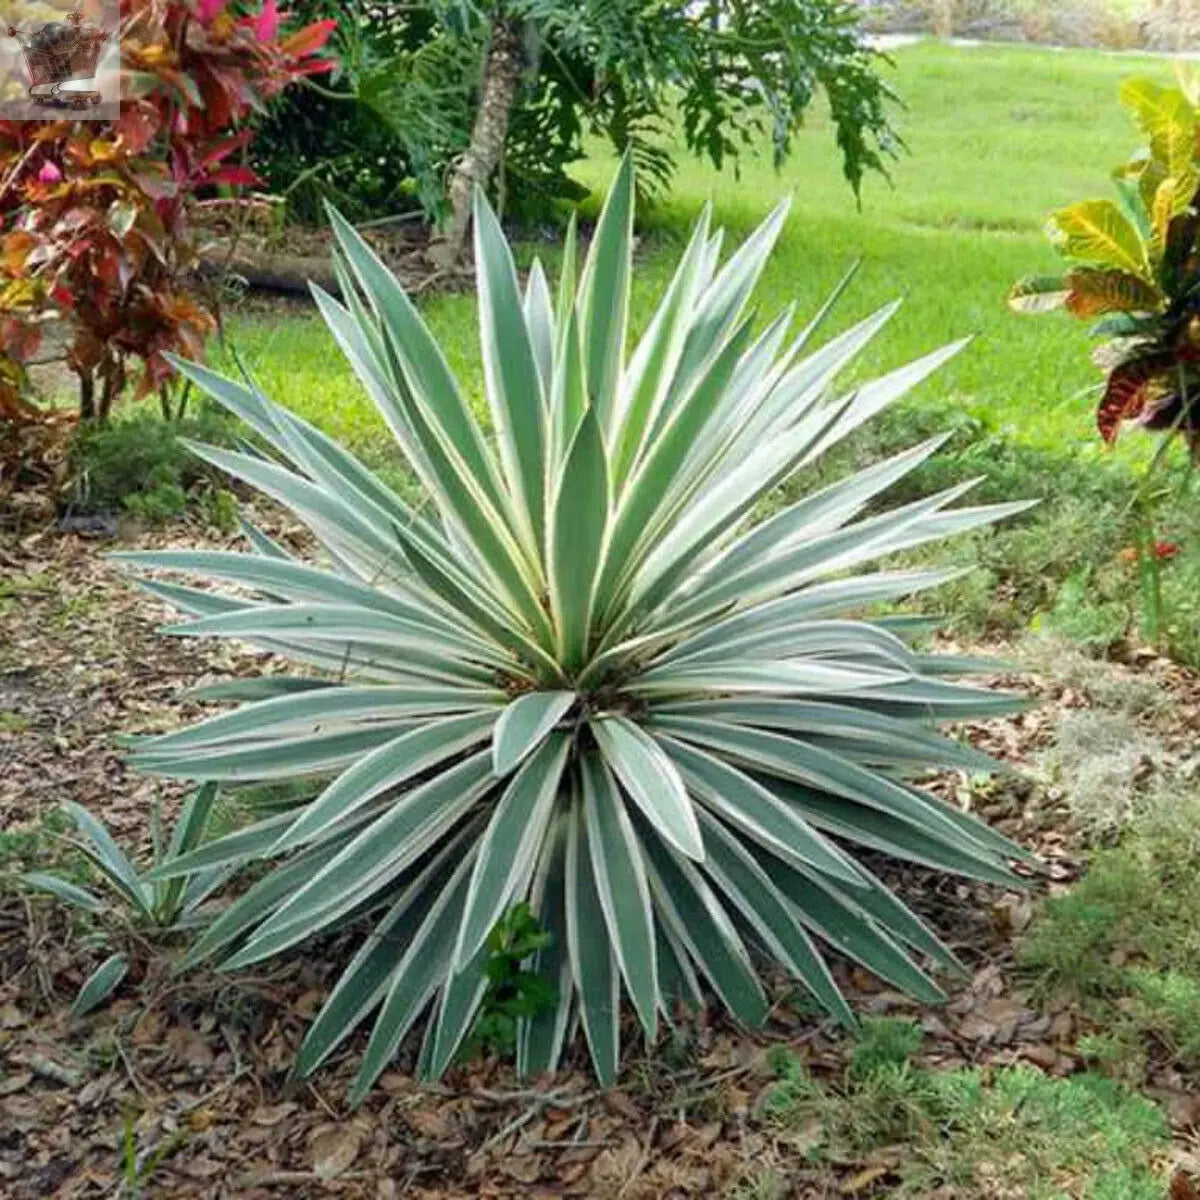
<point x="95" y="214"/>
<point x="1134" y="270"/>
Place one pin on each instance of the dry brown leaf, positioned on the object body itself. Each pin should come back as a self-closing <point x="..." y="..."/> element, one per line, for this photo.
<point x="334" y="1150"/>
<point x="200" y="1119"/>
<point x="436" y="1124"/>
<point x="148" y="1030"/>
<point x="1183" y="1187"/>
<point x="203" y="1167"/>
<point x="273" y="1114"/>
<point x="1041" y="1055"/>
<point x="306" y="1005"/>
<point x="525" y="1168"/>
<point x="620" y="1105"/>
<point x="15" y="1083"/>
<point x="568" y="1173"/>
<point x="806" y="1137"/>
<point x="190" y="1046"/>
<point x="11" y="1017"/>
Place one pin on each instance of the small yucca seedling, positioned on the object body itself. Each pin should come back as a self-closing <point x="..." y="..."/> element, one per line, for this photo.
<point x="577" y="678"/>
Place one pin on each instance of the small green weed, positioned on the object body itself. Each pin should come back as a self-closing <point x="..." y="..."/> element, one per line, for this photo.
<point x="794" y="1084"/>
<point x="1123" y="943"/>
<point x="139" y="1166"/>
<point x="883" y="1042"/>
<point x="17" y="586"/>
<point x="23" y="847"/>
<point x="1168" y="1003"/>
<point x="1078" y="615"/>
<point x="513" y="991"/>
<point x="12" y="722"/>
<point x="763" y="1185"/>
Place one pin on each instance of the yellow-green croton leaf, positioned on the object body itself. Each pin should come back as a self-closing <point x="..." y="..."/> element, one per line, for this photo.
<point x="1167" y="119"/>
<point x="1094" y="293"/>
<point x="1098" y="233"/>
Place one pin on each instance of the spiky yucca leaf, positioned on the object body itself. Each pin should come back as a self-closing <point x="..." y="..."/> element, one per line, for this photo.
<point x="577" y="678"/>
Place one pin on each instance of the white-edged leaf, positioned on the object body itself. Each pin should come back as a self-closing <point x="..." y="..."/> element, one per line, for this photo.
<point x="540" y="1037"/>
<point x="620" y="877"/>
<point x="418" y="975"/>
<point x="513" y="384"/>
<point x="509" y="846"/>
<point x="524" y="724"/>
<point x="100" y="984"/>
<point x="365" y="980"/>
<point x="391" y="765"/>
<point x="578" y="526"/>
<point x="63" y="889"/>
<point x="597" y="980"/>
<point x="651" y="780"/>
<point x="604" y="295"/>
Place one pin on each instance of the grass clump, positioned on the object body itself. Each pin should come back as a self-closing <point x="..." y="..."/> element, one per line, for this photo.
<point x="138" y="465"/>
<point x="1123" y="944"/>
<point x="971" y="1132"/>
<point x="884" y="1043"/>
<point x="33" y="843"/>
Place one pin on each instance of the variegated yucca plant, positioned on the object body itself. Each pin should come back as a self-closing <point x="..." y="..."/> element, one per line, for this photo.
<point x="580" y="675"/>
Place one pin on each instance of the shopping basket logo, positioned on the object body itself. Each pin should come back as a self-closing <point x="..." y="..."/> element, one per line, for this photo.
<point x="61" y="59"/>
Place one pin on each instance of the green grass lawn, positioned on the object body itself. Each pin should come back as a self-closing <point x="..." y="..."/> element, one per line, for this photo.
<point x="997" y="138"/>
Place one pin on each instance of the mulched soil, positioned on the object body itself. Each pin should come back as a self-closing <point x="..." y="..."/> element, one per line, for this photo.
<point x="187" y="1075"/>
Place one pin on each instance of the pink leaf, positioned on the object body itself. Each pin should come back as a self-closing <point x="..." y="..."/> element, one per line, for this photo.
<point x="266" y="24"/>
<point x="308" y="40"/>
<point x="235" y="176"/>
<point x="314" y="66"/>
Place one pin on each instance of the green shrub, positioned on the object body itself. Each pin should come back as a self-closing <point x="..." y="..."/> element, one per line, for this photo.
<point x="883" y="1042"/>
<point x="624" y="72"/>
<point x="1063" y="566"/>
<point x="969" y="1132"/>
<point x="1123" y="943"/>
<point x="138" y="463"/>
<point x="1083" y="615"/>
<point x="575" y="679"/>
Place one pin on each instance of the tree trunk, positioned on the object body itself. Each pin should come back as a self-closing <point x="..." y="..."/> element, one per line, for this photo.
<point x="112" y="378"/>
<point x="274" y="272"/>
<point x="501" y="75"/>
<point x="87" y="396"/>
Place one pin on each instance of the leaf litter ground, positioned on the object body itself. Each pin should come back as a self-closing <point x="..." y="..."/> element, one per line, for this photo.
<point x="178" y="1087"/>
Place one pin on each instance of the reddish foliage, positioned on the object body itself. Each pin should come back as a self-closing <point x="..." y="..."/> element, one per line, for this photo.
<point x="95" y="214"/>
<point x="1163" y="551"/>
<point x="1135" y="391"/>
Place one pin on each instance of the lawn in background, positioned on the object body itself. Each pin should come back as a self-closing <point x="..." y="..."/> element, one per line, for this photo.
<point x="997" y="137"/>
